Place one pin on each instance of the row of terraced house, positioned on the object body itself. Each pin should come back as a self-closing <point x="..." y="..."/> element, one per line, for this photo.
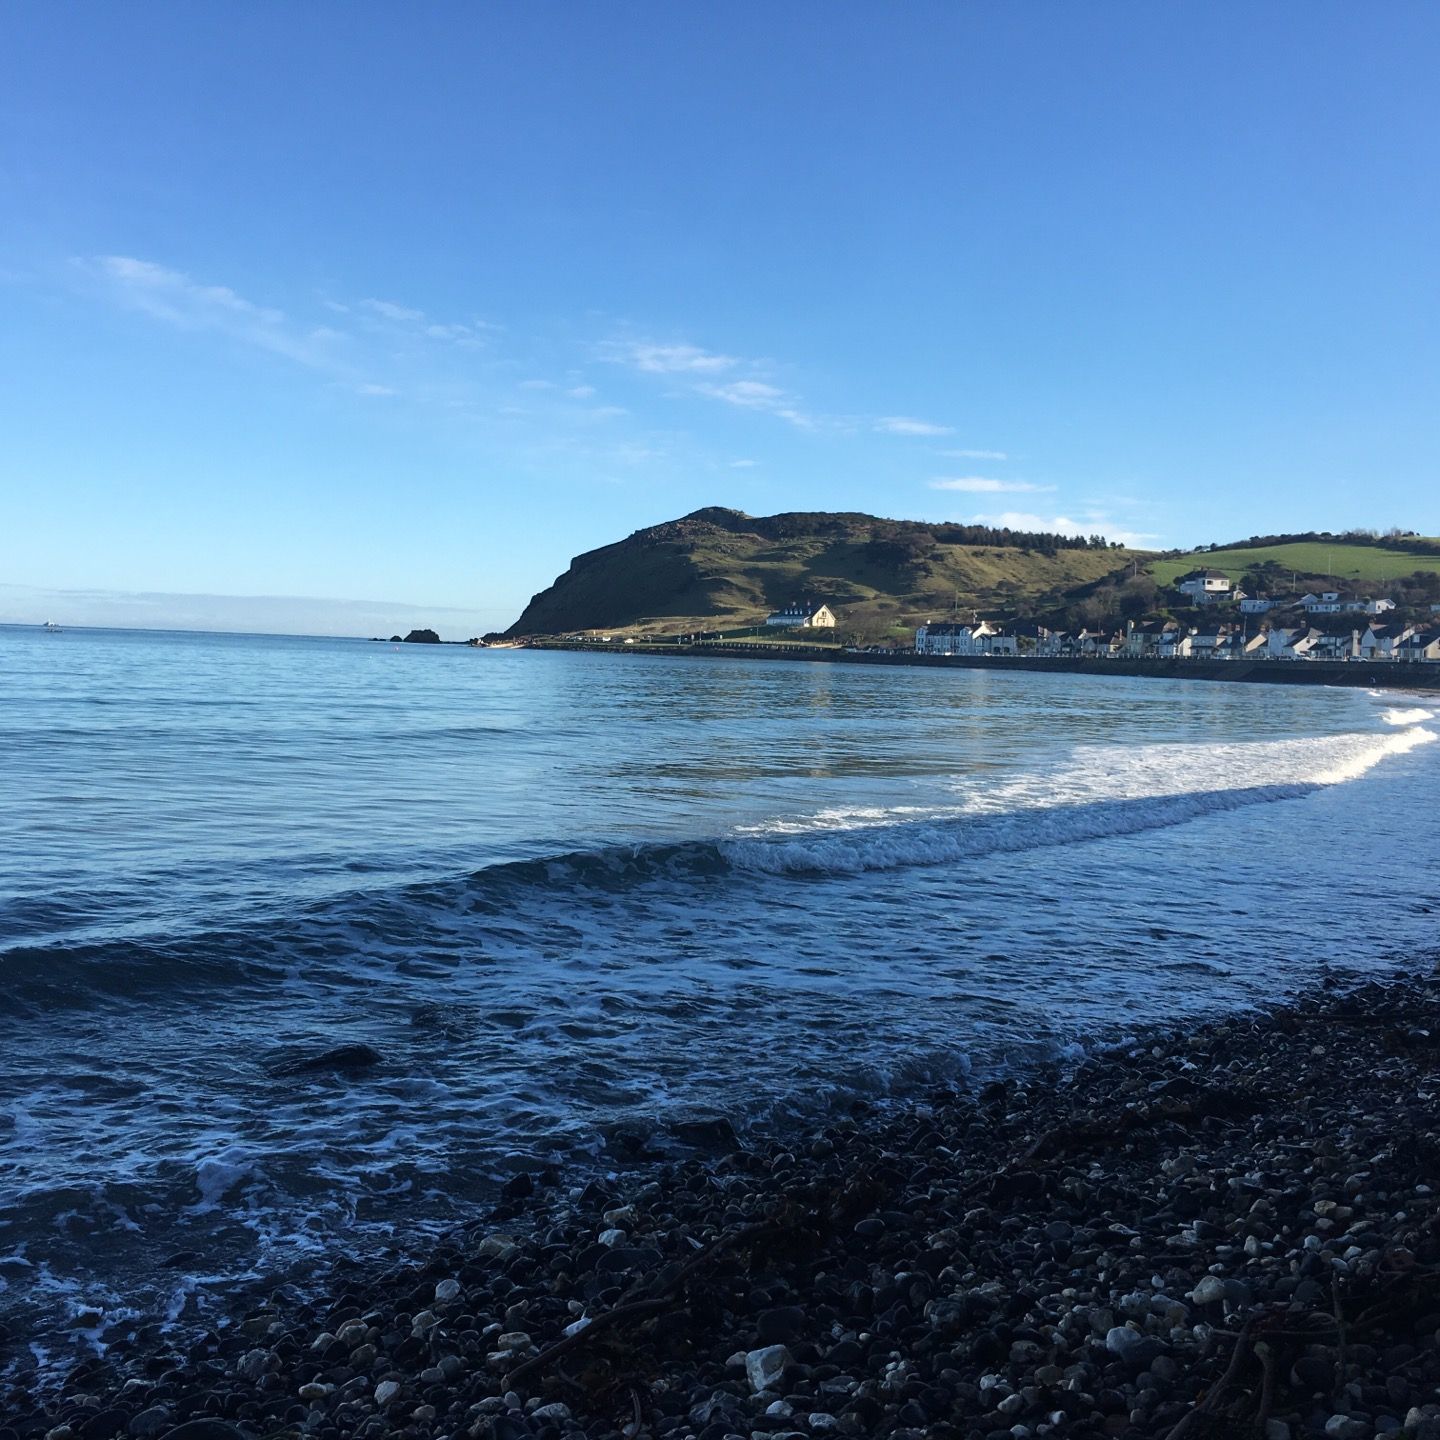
<point x="1169" y="640"/>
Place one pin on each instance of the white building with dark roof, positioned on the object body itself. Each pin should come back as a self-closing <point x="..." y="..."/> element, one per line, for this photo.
<point x="979" y="637"/>
<point x="1205" y="587"/>
<point x="800" y="613"/>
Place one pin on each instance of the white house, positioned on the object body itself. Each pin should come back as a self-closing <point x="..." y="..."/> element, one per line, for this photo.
<point x="1176" y="644"/>
<point x="1264" y="604"/>
<point x="803" y="612"/>
<point x="1205" y="587"/>
<point x="1212" y="642"/>
<point x="980" y="637"/>
<point x="1147" y="638"/>
<point x="1422" y="645"/>
<point x="1097" y="644"/>
<point x="1380" y="642"/>
<point x="1324" y="602"/>
<point x="1285" y="643"/>
<point x="1337" y="645"/>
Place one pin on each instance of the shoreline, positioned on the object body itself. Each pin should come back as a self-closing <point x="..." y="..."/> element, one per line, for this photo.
<point x="1246" y="1197"/>
<point x="1351" y="674"/>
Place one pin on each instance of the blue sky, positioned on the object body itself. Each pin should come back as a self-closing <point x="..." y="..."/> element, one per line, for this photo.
<point x="410" y="304"/>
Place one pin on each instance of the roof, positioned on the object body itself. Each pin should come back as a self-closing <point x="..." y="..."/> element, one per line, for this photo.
<point x="800" y="607"/>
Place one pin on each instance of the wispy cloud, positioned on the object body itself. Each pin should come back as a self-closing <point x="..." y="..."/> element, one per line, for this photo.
<point x="417" y="323"/>
<point x="748" y="384"/>
<point x="728" y="378"/>
<point x="973" y="454"/>
<point x="344" y="354"/>
<point x="986" y="485"/>
<point x="908" y="425"/>
<point x="391" y="311"/>
<point x="757" y="395"/>
<point x="657" y="359"/>
<point x="743" y="464"/>
<point x="173" y="297"/>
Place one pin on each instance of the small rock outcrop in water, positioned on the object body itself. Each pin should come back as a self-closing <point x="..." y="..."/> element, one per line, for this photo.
<point x="1226" y="1231"/>
<point x="342" y="1057"/>
<point x="422" y="637"/>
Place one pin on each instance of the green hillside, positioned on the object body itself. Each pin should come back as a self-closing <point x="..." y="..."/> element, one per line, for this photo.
<point x="1345" y="560"/>
<point x="720" y="568"/>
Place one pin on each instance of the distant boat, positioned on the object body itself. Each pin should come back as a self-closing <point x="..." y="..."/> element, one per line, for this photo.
<point x="51" y="628"/>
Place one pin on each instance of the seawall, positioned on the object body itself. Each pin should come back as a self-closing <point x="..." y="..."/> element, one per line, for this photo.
<point x="1386" y="675"/>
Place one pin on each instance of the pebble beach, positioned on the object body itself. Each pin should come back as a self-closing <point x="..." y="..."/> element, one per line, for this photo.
<point x="1225" y="1229"/>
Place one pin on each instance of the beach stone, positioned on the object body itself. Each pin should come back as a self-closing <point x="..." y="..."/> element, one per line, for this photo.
<point x="387" y="1392"/>
<point x="1120" y="1339"/>
<point x="1208" y="1291"/>
<point x="149" y="1422"/>
<point x="252" y="1364"/>
<point x="766" y="1367"/>
<point x="518" y="1187"/>
<point x="445" y="1292"/>
<point x="205" y="1430"/>
<point x="497" y="1247"/>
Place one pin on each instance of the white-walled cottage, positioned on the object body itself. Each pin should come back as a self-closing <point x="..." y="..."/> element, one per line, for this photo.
<point x="803" y="613"/>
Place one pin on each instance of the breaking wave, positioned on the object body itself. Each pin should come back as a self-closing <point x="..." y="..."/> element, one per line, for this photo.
<point x="1101" y="792"/>
<point x="1099" y="795"/>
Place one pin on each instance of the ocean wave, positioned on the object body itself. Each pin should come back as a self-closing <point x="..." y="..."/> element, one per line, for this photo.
<point x="1413" y="716"/>
<point x="1103" y="792"/>
<point x="1099" y="794"/>
<point x="893" y="847"/>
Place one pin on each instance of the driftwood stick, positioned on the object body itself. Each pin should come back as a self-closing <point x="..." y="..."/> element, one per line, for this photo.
<point x="1213" y="1398"/>
<point x="608" y="1321"/>
<point x="1268" y="1363"/>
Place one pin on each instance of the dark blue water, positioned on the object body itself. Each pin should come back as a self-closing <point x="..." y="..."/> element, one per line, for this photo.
<point x="560" y="891"/>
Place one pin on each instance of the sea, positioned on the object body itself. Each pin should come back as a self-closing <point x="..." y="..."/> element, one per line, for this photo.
<point x="586" y="907"/>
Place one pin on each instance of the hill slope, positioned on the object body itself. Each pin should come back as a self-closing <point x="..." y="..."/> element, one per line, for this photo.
<point x="722" y="568"/>
<point x="1343" y="558"/>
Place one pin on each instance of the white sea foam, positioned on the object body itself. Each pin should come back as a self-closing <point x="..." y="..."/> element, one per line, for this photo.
<point x="217" y="1174"/>
<point x="1099" y="792"/>
<point x="1353" y="766"/>
<point x="1413" y="716"/>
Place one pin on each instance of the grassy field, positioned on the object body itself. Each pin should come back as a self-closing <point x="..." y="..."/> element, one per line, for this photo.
<point x="1343" y="561"/>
